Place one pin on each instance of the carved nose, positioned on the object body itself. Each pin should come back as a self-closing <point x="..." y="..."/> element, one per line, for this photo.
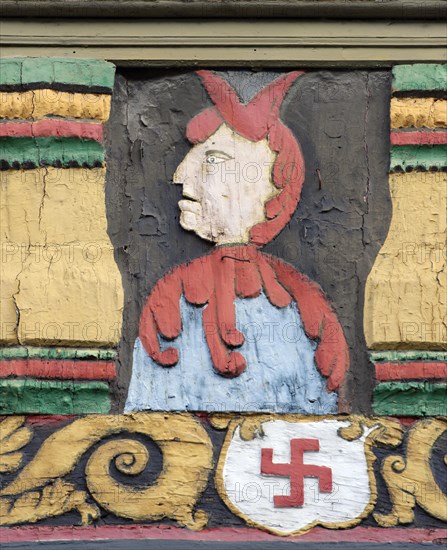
<point x="179" y="176"/>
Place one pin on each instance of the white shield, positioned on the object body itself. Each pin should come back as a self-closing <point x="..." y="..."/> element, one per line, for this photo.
<point x="251" y="494"/>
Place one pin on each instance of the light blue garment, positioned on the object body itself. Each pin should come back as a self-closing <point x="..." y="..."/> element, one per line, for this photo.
<point x="281" y="374"/>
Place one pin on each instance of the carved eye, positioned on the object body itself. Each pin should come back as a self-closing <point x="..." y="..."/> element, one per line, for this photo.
<point x="216" y="157"/>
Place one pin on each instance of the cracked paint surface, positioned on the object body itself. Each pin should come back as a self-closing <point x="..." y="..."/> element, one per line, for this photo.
<point x="406" y="291"/>
<point x="60" y="283"/>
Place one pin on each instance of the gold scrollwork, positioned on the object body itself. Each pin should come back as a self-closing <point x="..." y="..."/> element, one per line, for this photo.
<point x="386" y="432"/>
<point x="39" y="490"/>
<point x="410" y="479"/>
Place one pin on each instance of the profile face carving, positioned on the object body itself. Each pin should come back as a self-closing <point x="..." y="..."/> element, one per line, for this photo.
<point x="227" y="180"/>
<point x="241" y="182"/>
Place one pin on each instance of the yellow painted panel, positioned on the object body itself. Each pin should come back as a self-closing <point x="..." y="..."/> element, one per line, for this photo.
<point x="21" y="194"/>
<point x="418" y="112"/>
<point x="53" y="205"/>
<point x="10" y="267"/>
<point x="57" y="263"/>
<point x="406" y="291"/>
<point x="74" y="205"/>
<point x="35" y="104"/>
<point x="20" y="197"/>
<point x="71" y="298"/>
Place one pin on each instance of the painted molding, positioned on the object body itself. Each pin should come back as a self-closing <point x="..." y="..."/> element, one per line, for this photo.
<point x="208" y="41"/>
<point x="53" y="397"/>
<point x="416" y="370"/>
<point x="418" y="112"/>
<point x="419" y="77"/>
<point x="419" y="137"/>
<point x="34" y="352"/>
<point x="425" y="157"/>
<point x="91" y="74"/>
<point x="51" y="151"/>
<point x="36" y="104"/>
<point x="53" y="368"/>
<point x="395" y="318"/>
<point x="54" y="128"/>
<point x="412" y="355"/>
<point x="148" y="532"/>
<point x="413" y="398"/>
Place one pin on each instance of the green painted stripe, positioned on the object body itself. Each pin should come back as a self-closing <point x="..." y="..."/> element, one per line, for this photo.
<point x="83" y="72"/>
<point x="419" y="77"/>
<point x="53" y="397"/>
<point x="410" y="399"/>
<point x="42" y="151"/>
<point x="406" y="356"/>
<point x="415" y="156"/>
<point x="29" y="352"/>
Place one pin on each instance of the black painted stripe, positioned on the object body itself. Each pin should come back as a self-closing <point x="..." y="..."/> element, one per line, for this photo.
<point x="74" y="88"/>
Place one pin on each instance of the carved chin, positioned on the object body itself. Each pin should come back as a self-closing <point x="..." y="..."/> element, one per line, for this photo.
<point x="188" y="220"/>
<point x="191" y="222"/>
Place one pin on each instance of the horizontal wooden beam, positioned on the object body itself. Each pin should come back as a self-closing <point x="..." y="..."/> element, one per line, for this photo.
<point x="214" y="33"/>
<point x="361" y="9"/>
<point x="229" y="42"/>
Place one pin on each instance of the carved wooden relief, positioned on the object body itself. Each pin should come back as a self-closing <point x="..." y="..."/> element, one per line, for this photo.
<point x="223" y="301"/>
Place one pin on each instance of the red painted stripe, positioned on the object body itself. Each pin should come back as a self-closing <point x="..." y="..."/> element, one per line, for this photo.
<point x="407" y="420"/>
<point x="243" y="534"/>
<point x="418" y="138"/>
<point x="411" y="371"/>
<point x="52" y="127"/>
<point x="49" y="419"/>
<point x="56" y="368"/>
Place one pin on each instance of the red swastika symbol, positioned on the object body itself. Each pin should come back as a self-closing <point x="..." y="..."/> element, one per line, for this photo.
<point x="296" y="471"/>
